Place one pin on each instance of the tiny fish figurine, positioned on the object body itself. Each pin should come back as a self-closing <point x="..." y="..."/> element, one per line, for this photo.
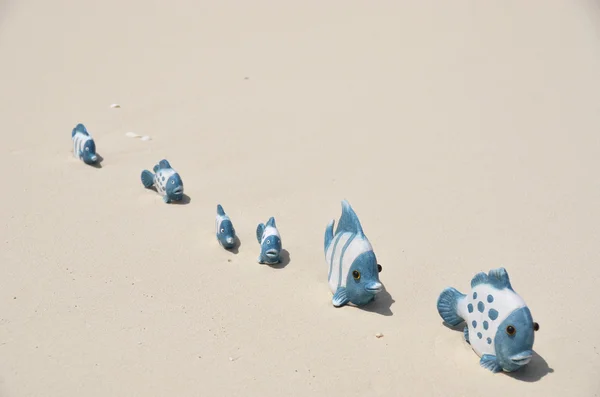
<point x="167" y="181"/>
<point x="84" y="147"/>
<point x="499" y="326"/>
<point x="224" y="229"/>
<point x="353" y="268"/>
<point x="270" y="242"/>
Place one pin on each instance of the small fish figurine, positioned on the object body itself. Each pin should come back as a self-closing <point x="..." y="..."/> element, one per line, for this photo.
<point x="353" y="268"/>
<point x="270" y="242"/>
<point x="167" y="181"/>
<point x="84" y="147"/>
<point x="499" y="326"/>
<point x="224" y="228"/>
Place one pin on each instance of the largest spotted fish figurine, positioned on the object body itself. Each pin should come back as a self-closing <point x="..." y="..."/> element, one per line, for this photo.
<point x="499" y="325"/>
<point x="167" y="181"/>
<point x="353" y="269"/>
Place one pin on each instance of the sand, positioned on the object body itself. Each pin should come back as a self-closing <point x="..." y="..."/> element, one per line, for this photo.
<point x="464" y="134"/>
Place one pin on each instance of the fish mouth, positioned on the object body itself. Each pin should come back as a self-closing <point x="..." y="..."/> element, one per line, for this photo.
<point x="522" y="358"/>
<point x="178" y="191"/>
<point x="272" y="254"/>
<point x="374" y="287"/>
<point x="93" y="158"/>
<point x="229" y="241"/>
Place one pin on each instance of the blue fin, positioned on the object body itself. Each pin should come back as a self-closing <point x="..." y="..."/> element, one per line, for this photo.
<point x="271" y="222"/>
<point x="156" y="168"/>
<point x="340" y="298"/>
<point x="79" y="128"/>
<point x="166" y="199"/>
<point x="447" y="306"/>
<point x="328" y="234"/>
<point x="479" y="278"/>
<point x="497" y="278"/>
<point x="147" y="178"/>
<point x="466" y="334"/>
<point x="162" y="164"/>
<point x="489" y="361"/>
<point x="220" y="210"/>
<point x="259" y="231"/>
<point x="348" y="221"/>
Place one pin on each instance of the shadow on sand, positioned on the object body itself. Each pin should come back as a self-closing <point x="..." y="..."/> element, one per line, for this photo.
<point x="532" y="372"/>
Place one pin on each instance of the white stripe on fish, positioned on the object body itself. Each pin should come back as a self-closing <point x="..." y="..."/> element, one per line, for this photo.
<point x="343" y="257"/>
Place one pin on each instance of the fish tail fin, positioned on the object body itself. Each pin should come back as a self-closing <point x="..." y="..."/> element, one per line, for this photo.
<point x="259" y="231"/>
<point x="147" y="178"/>
<point x="447" y="306"/>
<point x="220" y="210"/>
<point x="329" y="234"/>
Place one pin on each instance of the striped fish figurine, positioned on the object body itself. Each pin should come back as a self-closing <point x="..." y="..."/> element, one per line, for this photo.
<point x="270" y="242"/>
<point x="167" y="181"/>
<point x="84" y="147"/>
<point x="499" y="326"/>
<point x="353" y="268"/>
<point x="224" y="229"/>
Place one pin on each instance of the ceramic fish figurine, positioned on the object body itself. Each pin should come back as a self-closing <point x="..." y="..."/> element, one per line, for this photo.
<point x="224" y="229"/>
<point x="499" y="326"/>
<point x="353" y="268"/>
<point x="84" y="147"/>
<point x="167" y="181"/>
<point x="270" y="242"/>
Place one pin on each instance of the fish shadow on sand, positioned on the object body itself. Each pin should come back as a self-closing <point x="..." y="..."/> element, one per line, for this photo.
<point x="236" y="246"/>
<point x="284" y="260"/>
<point x="98" y="163"/>
<point x="381" y="304"/>
<point x="532" y="372"/>
<point x="185" y="200"/>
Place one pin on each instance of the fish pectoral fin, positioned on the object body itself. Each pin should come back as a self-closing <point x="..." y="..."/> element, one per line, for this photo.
<point x="166" y="199"/>
<point x="340" y="297"/>
<point x="490" y="362"/>
<point x="466" y="334"/>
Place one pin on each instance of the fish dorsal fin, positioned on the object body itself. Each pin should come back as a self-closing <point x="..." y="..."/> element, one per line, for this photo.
<point x="497" y="278"/>
<point x="480" y="278"/>
<point x="349" y="222"/>
<point x="271" y="222"/>
<point x="163" y="164"/>
<point x="220" y="210"/>
<point x="81" y="129"/>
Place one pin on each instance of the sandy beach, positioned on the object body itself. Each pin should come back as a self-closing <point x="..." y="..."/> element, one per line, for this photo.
<point x="464" y="134"/>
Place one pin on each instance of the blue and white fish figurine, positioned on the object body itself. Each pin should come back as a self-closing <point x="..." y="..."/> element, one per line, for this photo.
<point x="499" y="326"/>
<point x="353" y="269"/>
<point x="167" y="181"/>
<point x="224" y="229"/>
<point x="84" y="147"/>
<point x="270" y="242"/>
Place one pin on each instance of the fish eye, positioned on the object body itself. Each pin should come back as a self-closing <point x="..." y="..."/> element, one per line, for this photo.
<point x="172" y="182"/>
<point x="87" y="149"/>
<point x="268" y="241"/>
<point x="511" y="330"/>
<point x="222" y="230"/>
<point x="536" y="326"/>
<point x="356" y="275"/>
<point x="379" y="268"/>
